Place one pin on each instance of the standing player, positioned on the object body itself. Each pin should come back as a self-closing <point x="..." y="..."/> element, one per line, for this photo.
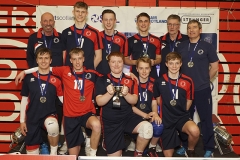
<point x="38" y="111"/>
<point x="115" y="93"/>
<point x="78" y="107"/>
<point x="146" y="106"/>
<point x="198" y="57"/>
<point x="175" y="93"/>
<point x="46" y="37"/>
<point x="83" y="36"/>
<point x="112" y="40"/>
<point x="144" y="44"/>
<point x="170" y="40"/>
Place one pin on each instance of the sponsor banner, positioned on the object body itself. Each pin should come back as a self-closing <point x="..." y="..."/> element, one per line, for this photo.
<point x="126" y="17"/>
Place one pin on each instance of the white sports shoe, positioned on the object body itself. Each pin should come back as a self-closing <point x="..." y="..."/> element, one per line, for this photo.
<point x="63" y="150"/>
<point x="131" y="146"/>
<point x="158" y="148"/>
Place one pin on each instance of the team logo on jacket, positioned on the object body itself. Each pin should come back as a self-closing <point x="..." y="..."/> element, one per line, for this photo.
<point x="53" y="80"/>
<point x="151" y="40"/>
<point x="182" y="84"/>
<point x="88" y="76"/>
<point x="69" y="33"/>
<point x="200" y="52"/>
<point x="117" y="40"/>
<point x="69" y="74"/>
<point x="135" y="41"/>
<point x="150" y="88"/>
<point x="177" y="43"/>
<point x="88" y="33"/>
<point x="108" y="80"/>
<point x="126" y="81"/>
<point x="163" y="83"/>
<point x="56" y="40"/>
<point x="32" y="80"/>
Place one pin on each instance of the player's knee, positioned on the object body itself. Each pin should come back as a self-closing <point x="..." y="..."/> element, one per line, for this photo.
<point x="32" y="149"/>
<point x="194" y="131"/>
<point x="157" y="129"/>
<point x="145" y="130"/>
<point x="52" y="126"/>
<point x="96" y="126"/>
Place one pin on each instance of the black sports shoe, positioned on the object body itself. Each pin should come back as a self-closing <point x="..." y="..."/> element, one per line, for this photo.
<point x="190" y="153"/>
<point x="152" y="152"/>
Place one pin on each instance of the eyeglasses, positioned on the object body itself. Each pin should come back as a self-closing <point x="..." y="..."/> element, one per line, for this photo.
<point x="170" y="25"/>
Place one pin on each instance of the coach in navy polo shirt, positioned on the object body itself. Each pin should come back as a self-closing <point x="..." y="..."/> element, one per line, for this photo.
<point x="46" y="37"/>
<point x="170" y="40"/>
<point x="200" y="62"/>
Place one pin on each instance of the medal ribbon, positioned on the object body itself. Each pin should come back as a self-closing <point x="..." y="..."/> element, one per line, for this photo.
<point x="119" y="81"/>
<point x="144" y="49"/>
<point x="172" y="47"/>
<point x="78" y="43"/>
<point x="140" y="90"/>
<point x="191" y="53"/>
<point x="106" y="43"/>
<point x="45" y="41"/>
<point x="81" y="90"/>
<point x="173" y="93"/>
<point x="43" y="90"/>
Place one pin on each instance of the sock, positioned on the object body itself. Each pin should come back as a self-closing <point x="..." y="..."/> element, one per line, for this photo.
<point x="92" y="152"/>
<point x="151" y="145"/>
<point x="53" y="150"/>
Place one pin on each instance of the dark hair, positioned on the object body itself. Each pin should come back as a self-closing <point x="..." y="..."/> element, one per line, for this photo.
<point x="145" y="60"/>
<point x="143" y="14"/>
<point x="172" y="56"/>
<point x="195" y="21"/>
<point x="42" y="51"/>
<point x="81" y="4"/>
<point x="108" y="11"/>
<point x="76" y="51"/>
<point x="174" y="16"/>
<point x="117" y="54"/>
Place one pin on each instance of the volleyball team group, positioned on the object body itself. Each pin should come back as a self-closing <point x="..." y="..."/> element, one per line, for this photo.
<point x="80" y="71"/>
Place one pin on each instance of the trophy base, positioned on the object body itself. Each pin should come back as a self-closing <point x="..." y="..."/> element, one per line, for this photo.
<point x="18" y="148"/>
<point x="223" y="149"/>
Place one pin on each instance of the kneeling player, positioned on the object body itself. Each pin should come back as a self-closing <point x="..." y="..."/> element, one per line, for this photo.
<point x="175" y="91"/>
<point x="38" y="109"/>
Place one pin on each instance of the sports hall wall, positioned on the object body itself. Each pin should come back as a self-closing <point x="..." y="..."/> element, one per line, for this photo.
<point x="18" y="19"/>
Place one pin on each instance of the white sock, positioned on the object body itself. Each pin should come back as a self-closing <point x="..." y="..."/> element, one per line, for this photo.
<point x="92" y="152"/>
<point x="53" y="150"/>
<point x="151" y="145"/>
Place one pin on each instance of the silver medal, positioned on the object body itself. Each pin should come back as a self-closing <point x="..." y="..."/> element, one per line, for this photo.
<point x="106" y="57"/>
<point x="43" y="99"/>
<point x="142" y="105"/>
<point x="173" y="102"/>
<point x="190" y="64"/>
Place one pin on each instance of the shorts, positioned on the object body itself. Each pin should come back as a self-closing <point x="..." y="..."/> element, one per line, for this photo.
<point x="169" y="137"/>
<point x="34" y="133"/>
<point x="72" y="129"/>
<point x="114" y="132"/>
